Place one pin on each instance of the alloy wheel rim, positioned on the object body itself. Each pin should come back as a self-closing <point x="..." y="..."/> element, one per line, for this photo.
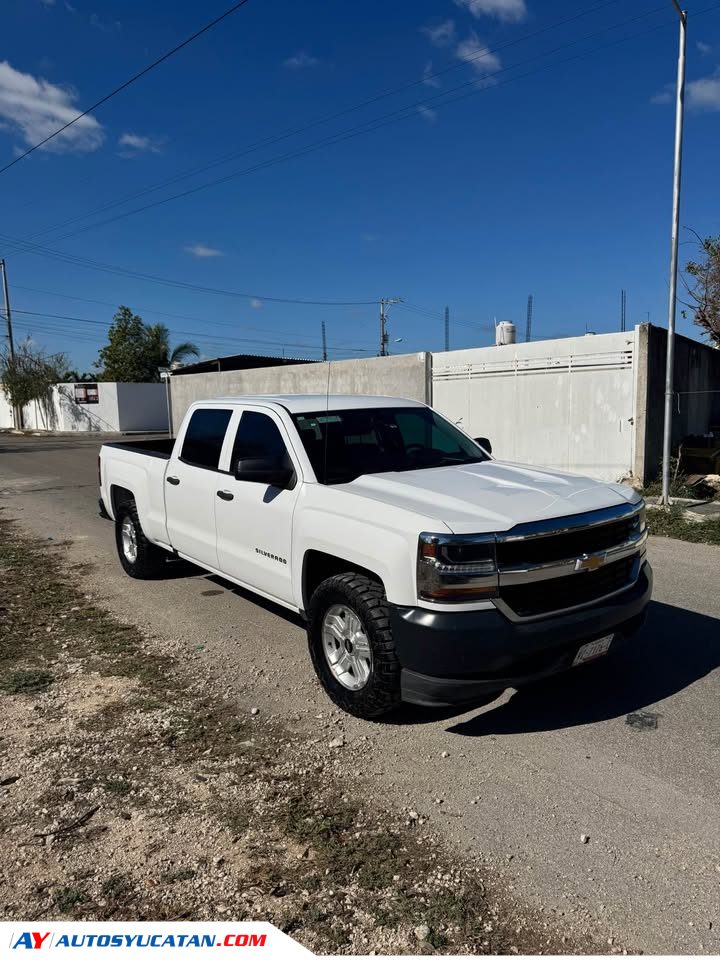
<point x="129" y="540"/>
<point x="346" y="647"/>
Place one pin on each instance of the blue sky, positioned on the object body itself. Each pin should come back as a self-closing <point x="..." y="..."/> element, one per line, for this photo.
<point x="550" y="174"/>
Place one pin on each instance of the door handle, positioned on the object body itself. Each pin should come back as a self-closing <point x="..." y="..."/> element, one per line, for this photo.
<point x="173" y="480"/>
<point x="225" y="495"/>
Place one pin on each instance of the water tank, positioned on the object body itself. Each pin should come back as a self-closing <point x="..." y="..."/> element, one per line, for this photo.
<point x="505" y="333"/>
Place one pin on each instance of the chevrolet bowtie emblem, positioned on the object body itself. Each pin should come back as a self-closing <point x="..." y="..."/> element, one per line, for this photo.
<point x="586" y="562"/>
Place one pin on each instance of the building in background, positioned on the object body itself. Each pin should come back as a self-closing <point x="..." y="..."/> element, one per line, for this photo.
<point x="95" y="408"/>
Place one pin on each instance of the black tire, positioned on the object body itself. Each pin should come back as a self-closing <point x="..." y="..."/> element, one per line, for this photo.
<point x="366" y="599"/>
<point x="150" y="561"/>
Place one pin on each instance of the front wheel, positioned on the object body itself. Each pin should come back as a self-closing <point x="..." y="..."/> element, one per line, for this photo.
<point x="140" y="558"/>
<point x="351" y="645"/>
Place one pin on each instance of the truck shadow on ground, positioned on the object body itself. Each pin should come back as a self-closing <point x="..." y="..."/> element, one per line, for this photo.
<point x="674" y="649"/>
<point x="257" y="601"/>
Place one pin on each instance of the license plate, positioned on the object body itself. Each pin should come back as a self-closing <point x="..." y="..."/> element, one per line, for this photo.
<point x="596" y="648"/>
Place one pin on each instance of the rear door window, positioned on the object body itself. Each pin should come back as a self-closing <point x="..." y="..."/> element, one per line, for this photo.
<point x="204" y="438"/>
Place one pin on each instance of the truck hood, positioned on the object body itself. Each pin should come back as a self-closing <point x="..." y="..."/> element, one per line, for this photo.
<point x="489" y="497"/>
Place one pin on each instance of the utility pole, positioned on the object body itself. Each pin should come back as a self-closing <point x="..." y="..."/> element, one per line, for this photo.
<point x="623" y="305"/>
<point x="324" y="340"/>
<point x="384" y="338"/>
<point x="674" y="239"/>
<point x="447" y="328"/>
<point x="17" y="413"/>
<point x="528" y="322"/>
<point x="8" y="318"/>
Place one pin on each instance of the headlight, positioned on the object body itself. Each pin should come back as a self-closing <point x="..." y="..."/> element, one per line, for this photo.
<point x="460" y="569"/>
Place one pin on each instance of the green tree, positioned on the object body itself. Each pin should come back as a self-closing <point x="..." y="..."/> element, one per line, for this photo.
<point x="159" y="336"/>
<point x="702" y="285"/>
<point x="127" y="356"/>
<point x="30" y="375"/>
<point x="136" y="350"/>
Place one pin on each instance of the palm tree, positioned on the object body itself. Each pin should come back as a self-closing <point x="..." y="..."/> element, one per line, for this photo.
<point x="159" y="338"/>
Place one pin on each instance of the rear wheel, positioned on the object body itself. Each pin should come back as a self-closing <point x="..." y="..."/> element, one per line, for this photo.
<point x="351" y="645"/>
<point x="140" y="558"/>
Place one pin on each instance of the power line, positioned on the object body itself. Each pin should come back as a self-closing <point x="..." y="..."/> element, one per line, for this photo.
<point x="152" y="278"/>
<point x="378" y="122"/>
<point x="123" y="86"/>
<point x="402" y="113"/>
<point x="174" y="316"/>
<point x="269" y="141"/>
<point x="46" y="317"/>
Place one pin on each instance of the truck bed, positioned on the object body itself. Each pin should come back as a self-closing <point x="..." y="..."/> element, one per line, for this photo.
<point x="160" y="447"/>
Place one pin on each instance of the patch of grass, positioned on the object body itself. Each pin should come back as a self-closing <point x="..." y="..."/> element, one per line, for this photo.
<point x="177" y="876"/>
<point x="117" y="887"/>
<point x="67" y="898"/>
<point x="27" y="681"/>
<point x="120" y="788"/>
<point x="321" y="826"/>
<point x="671" y="523"/>
<point x="679" y="486"/>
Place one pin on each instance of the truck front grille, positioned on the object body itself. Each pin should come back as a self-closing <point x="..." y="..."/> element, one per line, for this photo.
<point x="544" y="596"/>
<point x="572" y="543"/>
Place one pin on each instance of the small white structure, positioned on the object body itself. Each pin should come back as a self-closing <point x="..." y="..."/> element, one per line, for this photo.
<point x="95" y="408"/>
<point x="505" y="333"/>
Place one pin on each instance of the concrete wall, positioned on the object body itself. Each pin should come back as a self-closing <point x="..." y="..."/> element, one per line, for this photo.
<point x="697" y="394"/>
<point x="142" y="406"/>
<point x="102" y="416"/>
<point x="404" y="376"/>
<point x="562" y="404"/>
<point x="121" y="407"/>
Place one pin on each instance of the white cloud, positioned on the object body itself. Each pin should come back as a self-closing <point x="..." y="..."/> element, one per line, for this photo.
<point x="36" y="108"/>
<point x="511" y="11"/>
<point x="105" y="26"/>
<point x="480" y="58"/>
<point x="255" y="303"/>
<point x="704" y="48"/>
<point x="300" y="60"/>
<point x="440" y="34"/>
<point x="666" y="95"/>
<point x="428" y="78"/>
<point x="704" y="94"/>
<point x="426" y="113"/>
<point x="201" y="250"/>
<point x="134" y="143"/>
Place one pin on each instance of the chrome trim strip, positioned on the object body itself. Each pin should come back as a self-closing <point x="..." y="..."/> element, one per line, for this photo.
<point x="560" y="525"/>
<point x="531" y="573"/>
<point x="560" y="611"/>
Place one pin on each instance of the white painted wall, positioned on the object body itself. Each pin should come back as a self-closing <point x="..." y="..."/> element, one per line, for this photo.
<point x="100" y="417"/>
<point x="563" y="404"/>
<point x="121" y="407"/>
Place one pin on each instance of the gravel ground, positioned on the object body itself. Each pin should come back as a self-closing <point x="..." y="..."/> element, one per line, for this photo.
<point x="132" y="788"/>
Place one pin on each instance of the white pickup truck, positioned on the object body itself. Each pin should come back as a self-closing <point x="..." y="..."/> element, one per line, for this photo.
<point x="426" y="571"/>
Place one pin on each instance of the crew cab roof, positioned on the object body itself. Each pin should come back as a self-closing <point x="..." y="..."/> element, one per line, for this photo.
<point x="314" y="402"/>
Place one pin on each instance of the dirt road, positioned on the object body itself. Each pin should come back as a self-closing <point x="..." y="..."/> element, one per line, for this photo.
<point x="626" y="754"/>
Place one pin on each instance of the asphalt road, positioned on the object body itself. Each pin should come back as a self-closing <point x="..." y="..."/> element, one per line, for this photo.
<point x="627" y="752"/>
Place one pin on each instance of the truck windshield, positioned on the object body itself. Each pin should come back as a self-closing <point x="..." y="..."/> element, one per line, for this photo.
<point x="345" y="444"/>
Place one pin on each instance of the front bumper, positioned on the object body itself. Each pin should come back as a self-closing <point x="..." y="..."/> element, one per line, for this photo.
<point x="455" y="658"/>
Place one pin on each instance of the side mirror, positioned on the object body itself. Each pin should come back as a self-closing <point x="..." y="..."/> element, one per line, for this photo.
<point x="484" y="443"/>
<point x="268" y="470"/>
